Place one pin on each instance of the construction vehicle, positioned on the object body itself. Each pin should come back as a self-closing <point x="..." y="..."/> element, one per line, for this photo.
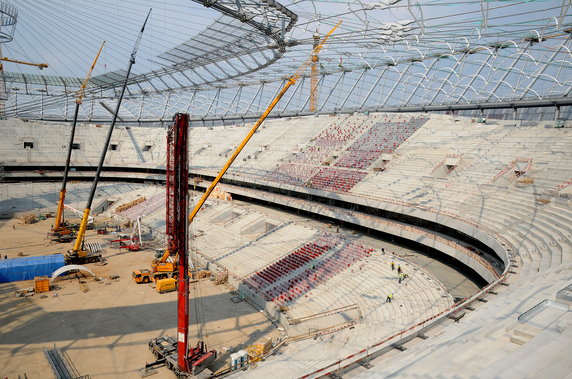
<point x="161" y="268"/>
<point x="166" y="285"/>
<point x="129" y="243"/>
<point x="147" y="276"/>
<point x="142" y="276"/>
<point x="61" y="231"/>
<point x="79" y="254"/>
<point x="165" y="350"/>
<point x="167" y="269"/>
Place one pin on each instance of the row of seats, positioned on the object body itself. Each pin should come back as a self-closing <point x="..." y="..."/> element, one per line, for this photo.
<point x="333" y="138"/>
<point x="321" y="271"/>
<point x="291" y="173"/>
<point x="301" y="256"/>
<point x="331" y="179"/>
<point x="381" y="137"/>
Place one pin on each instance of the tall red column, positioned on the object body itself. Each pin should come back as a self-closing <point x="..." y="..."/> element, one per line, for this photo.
<point x="177" y="182"/>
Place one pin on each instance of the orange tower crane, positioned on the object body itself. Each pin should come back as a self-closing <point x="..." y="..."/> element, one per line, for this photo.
<point x="314" y="76"/>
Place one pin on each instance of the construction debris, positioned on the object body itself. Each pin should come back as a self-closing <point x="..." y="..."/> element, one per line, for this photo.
<point x="28" y="218"/>
<point x="221" y="277"/>
<point x="25" y="292"/>
<point x="203" y="274"/>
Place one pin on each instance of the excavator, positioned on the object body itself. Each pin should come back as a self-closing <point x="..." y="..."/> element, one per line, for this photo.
<point x="61" y="231"/>
<point x="79" y="254"/>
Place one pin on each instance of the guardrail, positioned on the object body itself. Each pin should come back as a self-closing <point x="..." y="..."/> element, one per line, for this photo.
<point x="404" y="335"/>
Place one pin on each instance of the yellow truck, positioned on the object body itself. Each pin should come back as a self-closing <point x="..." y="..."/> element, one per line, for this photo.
<point x="166" y="285"/>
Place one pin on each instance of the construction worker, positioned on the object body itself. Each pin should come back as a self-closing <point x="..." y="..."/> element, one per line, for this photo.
<point x="392" y="265"/>
<point x="399" y="269"/>
<point x="400" y="278"/>
<point x="389" y="297"/>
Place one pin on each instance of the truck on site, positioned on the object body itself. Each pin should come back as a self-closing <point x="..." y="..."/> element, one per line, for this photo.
<point x="166" y="285"/>
<point x="162" y="268"/>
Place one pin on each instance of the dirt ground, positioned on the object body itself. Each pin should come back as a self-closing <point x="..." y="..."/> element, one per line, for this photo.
<point x="104" y="326"/>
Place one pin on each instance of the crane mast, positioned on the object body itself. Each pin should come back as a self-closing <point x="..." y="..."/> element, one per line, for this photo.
<point x="177" y="188"/>
<point x="314" y="76"/>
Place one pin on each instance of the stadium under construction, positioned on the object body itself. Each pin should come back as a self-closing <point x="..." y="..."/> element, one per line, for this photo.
<point x="293" y="189"/>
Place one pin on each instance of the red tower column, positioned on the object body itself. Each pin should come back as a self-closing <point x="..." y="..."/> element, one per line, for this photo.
<point x="177" y="182"/>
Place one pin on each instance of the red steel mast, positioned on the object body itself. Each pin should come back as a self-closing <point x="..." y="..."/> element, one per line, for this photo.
<point x="177" y="188"/>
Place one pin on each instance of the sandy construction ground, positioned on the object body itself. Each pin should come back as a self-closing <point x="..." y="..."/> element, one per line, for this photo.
<point x="104" y="325"/>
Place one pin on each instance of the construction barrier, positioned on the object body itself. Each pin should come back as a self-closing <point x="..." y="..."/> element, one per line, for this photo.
<point x="16" y="269"/>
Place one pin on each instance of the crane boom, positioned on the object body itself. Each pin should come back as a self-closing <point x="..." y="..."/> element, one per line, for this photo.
<point x="81" y="92"/>
<point x="314" y="76"/>
<point x="77" y="252"/>
<point x="292" y="80"/>
<point x="58" y="230"/>
<point x="40" y="65"/>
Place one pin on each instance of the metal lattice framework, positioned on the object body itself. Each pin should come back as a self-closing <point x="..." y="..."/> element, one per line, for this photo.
<point x="386" y="55"/>
<point x="8" y="20"/>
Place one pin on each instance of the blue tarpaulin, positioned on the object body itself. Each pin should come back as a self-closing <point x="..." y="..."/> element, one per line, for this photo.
<point x="13" y="270"/>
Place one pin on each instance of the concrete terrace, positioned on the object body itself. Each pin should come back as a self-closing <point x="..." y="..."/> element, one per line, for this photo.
<point x="505" y="183"/>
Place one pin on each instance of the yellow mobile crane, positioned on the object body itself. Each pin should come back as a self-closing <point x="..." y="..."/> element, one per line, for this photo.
<point x="79" y="254"/>
<point x="60" y="231"/>
<point x="160" y="269"/>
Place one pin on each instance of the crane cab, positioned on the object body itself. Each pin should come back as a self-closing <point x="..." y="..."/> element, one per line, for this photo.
<point x="142" y="276"/>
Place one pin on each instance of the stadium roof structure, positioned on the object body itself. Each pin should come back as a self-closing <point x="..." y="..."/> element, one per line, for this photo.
<point x="222" y="59"/>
